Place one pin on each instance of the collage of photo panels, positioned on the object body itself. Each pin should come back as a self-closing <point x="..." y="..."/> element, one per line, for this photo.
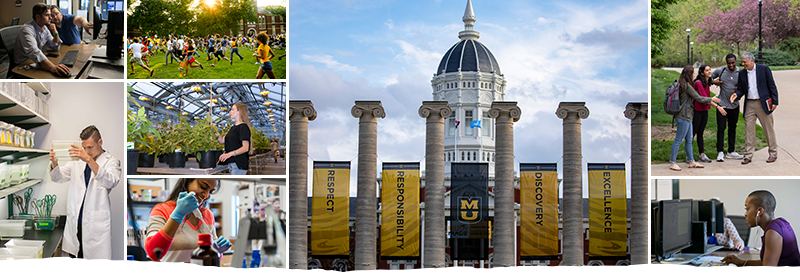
<point x="404" y="135"/>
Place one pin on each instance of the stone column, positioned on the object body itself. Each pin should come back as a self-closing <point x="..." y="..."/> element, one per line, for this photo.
<point x="434" y="233"/>
<point x="299" y="113"/>
<point x="503" y="240"/>
<point x="572" y="242"/>
<point x="637" y="112"/>
<point x="367" y="113"/>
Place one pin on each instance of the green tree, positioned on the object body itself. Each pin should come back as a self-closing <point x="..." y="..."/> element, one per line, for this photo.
<point x="661" y="24"/>
<point x="275" y="10"/>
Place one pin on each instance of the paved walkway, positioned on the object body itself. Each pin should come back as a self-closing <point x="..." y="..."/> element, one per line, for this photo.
<point x="787" y="130"/>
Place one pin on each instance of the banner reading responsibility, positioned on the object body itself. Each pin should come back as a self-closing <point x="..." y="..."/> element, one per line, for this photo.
<point x="330" y="209"/>
<point x="538" y="211"/>
<point x="469" y="211"/>
<point x="400" y="211"/>
<point x="608" y="230"/>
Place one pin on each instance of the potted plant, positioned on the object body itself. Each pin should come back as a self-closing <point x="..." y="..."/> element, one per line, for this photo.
<point x="260" y="142"/>
<point x="175" y="144"/>
<point x="204" y="142"/>
<point x="140" y="129"/>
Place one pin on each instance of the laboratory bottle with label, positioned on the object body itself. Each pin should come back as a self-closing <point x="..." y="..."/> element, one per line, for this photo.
<point x="204" y="255"/>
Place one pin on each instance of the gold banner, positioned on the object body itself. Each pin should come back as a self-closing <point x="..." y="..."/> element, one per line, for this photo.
<point x="400" y="210"/>
<point x="608" y="230"/>
<point x="330" y="209"/>
<point x="538" y="210"/>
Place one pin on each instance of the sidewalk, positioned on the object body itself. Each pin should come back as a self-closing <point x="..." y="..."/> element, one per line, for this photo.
<point x="787" y="131"/>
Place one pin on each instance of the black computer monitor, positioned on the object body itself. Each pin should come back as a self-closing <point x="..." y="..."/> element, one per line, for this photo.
<point x="707" y="212"/>
<point x="720" y="212"/>
<point x="98" y="21"/>
<point x="674" y="226"/>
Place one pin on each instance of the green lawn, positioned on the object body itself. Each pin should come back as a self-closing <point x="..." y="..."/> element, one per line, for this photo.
<point x="788" y="67"/>
<point x="661" y="121"/>
<point x="241" y="69"/>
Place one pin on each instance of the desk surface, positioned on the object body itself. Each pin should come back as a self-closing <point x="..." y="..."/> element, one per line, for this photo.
<point x="52" y="237"/>
<point x="685" y="267"/>
<point x="84" y="53"/>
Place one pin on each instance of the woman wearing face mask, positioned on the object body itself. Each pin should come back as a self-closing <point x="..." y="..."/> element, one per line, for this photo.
<point x="779" y="241"/>
<point x="237" y="142"/>
<point x="173" y="230"/>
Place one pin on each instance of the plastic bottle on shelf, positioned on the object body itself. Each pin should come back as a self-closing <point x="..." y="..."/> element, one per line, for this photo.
<point x="131" y="270"/>
<point x="33" y="135"/>
<point x="16" y="136"/>
<point x="3" y="133"/>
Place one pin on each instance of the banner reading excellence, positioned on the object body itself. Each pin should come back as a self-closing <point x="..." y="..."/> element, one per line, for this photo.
<point x="608" y="229"/>
<point x="400" y="211"/>
<point x="538" y="211"/>
<point x="330" y="209"/>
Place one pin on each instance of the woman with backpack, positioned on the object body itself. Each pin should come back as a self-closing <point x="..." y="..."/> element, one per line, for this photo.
<point x="685" y="116"/>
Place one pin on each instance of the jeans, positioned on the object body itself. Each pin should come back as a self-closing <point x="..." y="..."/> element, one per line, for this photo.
<point x="234" y="169"/>
<point x="731" y="119"/>
<point x="236" y="51"/>
<point x="699" y="126"/>
<point x="684" y="133"/>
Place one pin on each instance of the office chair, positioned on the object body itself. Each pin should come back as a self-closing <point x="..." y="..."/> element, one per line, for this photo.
<point x="15" y="21"/>
<point x="8" y="36"/>
<point x="742" y="227"/>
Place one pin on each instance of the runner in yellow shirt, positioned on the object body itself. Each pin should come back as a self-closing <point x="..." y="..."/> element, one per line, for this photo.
<point x="264" y="54"/>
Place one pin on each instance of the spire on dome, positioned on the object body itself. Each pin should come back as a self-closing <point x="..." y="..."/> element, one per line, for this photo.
<point x="469" y="21"/>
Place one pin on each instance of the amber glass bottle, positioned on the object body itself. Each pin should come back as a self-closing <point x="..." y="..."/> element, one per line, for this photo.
<point x="204" y="255"/>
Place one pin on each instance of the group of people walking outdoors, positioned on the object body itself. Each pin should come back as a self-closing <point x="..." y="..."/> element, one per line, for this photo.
<point x="755" y="83"/>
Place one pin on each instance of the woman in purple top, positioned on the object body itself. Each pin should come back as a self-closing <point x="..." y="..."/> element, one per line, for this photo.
<point x="779" y="243"/>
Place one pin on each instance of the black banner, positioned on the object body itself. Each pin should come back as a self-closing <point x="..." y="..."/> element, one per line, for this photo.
<point x="469" y="211"/>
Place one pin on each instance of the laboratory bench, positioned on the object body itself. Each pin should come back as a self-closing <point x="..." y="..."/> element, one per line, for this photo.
<point x="191" y="168"/>
<point x="52" y="237"/>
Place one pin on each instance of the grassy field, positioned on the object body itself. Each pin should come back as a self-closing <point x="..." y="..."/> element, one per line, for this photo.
<point x="241" y="69"/>
<point x="778" y="68"/>
<point x="663" y="136"/>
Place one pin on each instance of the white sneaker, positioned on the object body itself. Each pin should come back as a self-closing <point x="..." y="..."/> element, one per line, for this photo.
<point x="721" y="157"/>
<point x="735" y="155"/>
<point x="704" y="158"/>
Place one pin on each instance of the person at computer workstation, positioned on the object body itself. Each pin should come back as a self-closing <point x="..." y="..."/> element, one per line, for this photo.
<point x="35" y="35"/>
<point x="779" y="241"/>
<point x="730" y="238"/>
<point x="69" y="26"/>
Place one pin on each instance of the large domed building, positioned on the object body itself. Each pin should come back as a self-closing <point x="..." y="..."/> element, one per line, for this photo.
<point x="469" y="79"/>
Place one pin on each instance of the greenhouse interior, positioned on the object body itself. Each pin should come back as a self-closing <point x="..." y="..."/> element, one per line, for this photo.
<point x="184" y="128"/>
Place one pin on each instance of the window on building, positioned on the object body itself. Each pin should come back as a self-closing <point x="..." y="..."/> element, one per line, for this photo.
<point x="467" y="121"/>
<point x="486" y="124"/>
<point x="462" y="156"/>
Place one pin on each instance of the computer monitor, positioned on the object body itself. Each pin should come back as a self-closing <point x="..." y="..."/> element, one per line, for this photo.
<point x="98" y="21"/>
<point x="707" y="212"/>
<point x="674" y="227"/>
<point x="720" y="212"/>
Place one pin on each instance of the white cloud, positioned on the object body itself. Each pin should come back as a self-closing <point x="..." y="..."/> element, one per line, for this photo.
<point x="331" y="63"/>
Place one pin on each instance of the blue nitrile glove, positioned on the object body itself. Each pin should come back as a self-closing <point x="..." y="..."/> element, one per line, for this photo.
<point x="186" y="203"/>
<point x="222" y="245"/>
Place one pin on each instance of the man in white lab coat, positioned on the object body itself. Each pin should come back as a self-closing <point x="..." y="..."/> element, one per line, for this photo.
<point x="88" y="230"/>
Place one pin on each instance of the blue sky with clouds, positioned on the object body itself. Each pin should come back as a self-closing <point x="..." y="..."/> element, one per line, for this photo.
<point x="549" y="52"/>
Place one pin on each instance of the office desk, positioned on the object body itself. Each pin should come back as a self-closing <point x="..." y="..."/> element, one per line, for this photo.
<point x="684" y="268"/>
<point x="84" y="53"/>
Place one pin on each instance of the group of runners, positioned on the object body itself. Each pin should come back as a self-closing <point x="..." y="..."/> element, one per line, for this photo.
<point x="187" y="51"/>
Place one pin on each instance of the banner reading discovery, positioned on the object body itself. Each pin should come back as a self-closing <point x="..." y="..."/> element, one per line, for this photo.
<point x="538" y="211"/>
<point x="608" y="230"/>
<point x="400" y="211"/>
<point x="330" y="209"/>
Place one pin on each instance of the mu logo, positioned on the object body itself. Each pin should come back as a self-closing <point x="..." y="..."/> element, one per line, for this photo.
<point x="469" y="209"/>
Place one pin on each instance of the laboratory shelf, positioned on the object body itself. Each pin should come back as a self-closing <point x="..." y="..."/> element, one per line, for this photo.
<point x="144" y="203"/>
<point x="18" y="187"/>
<point x="19" y="114"/>
<point x="13" y="155"/>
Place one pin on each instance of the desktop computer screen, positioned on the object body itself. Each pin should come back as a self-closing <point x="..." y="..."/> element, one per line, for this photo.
<point x="676" y="225"/>
<point x="720" y="213"/>
<point x="707" y="212"/>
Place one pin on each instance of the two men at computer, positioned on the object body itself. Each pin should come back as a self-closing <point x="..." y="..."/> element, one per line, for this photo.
<point x="47" y="29"/>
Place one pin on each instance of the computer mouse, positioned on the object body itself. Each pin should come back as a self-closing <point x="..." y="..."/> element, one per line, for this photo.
<point x="65" y="75"/>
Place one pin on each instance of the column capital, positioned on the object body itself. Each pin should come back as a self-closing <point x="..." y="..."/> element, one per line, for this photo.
<point x="374" y="107"/>
<point x="636" y="109"/>
<point x="302" y="107"/>
<point x="564" y="108"/>
<point x="505" y="107"/>
<point x="434" y="107"/>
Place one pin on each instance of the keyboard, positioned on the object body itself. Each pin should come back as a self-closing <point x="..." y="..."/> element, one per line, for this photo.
<point x="698" y="272"/>
<point x="69" y="58"/>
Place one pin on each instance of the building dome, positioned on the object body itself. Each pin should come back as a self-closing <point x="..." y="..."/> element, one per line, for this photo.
<point x="469" y="56"/>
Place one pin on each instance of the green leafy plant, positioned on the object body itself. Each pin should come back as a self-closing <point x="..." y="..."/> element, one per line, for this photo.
<point x="140" y="129"/>
<point x="202" y="137"/>
<point x="260" y="140"/>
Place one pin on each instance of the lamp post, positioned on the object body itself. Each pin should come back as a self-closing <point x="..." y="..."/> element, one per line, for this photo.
<point x="688" y="31"/>
<point x="759" y="32"/>
<point x="692" y="52"/>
